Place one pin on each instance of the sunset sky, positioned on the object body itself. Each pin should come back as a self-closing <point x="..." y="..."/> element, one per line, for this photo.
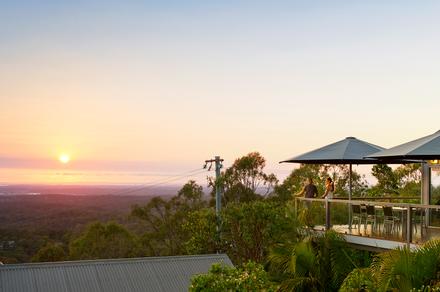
<point x="133" y="91"/>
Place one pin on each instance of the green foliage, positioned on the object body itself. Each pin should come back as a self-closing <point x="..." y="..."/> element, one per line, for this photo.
<point x="395" y="269"/>
<point x="315" y="263"/>
<point x="165" y="220"/>
<point x="311" y="214"/>
<point x="245" y="180"/>
<point x="359" y="280"/>
<point x="340" y="174"/>
<point x="32" y="221"/>
<point x="404" y="269"/>
<point x="247" y="231"/>
<point x="251" y="277"/>
<point x="426" y="289"/>
<point x="387" y="180"/>
<point x="104" y="241"/>
<point x="404" y="180"/>
<point x="203" y="229"/>
<point x="190" y="196"/>
<point x="51" y="252"/>
<point x="435" y="195"/>
<point x="163" y="236"/>
<point x="407" y="173"/>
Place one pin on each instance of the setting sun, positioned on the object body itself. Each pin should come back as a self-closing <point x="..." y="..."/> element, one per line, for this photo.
<point x="64" y="158"/>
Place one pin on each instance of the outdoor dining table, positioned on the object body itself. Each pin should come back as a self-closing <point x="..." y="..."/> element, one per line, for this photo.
<point x="402" y="215"/>
<point x="402" y="211"/>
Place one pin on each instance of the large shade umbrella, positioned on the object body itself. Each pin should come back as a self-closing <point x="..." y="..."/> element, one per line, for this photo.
<point x="347" y="151"/>
<point x="425" y="148"/>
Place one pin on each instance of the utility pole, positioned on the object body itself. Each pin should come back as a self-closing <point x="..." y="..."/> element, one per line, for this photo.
<point x="218" y="187"/>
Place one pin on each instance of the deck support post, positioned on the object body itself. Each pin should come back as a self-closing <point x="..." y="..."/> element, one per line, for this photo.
<point x="426" y="190"/>
<point x="327" y="215"/>
<point x="408" y="226"/>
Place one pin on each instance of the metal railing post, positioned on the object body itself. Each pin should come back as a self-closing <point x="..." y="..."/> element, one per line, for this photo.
<point x="408" y="226"/>
<point x="349" y="216"/>
<point x="407" y="234"/>
<point x="327" y="215"/>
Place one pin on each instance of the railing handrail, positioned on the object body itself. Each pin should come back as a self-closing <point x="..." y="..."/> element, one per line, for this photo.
<point x="357" y="202"/>
<point x="378" y="198"/>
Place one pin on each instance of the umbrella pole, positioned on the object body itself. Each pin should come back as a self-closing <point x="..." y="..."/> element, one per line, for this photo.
<point x="349" y="196"/>
<point x="349" y="183"/>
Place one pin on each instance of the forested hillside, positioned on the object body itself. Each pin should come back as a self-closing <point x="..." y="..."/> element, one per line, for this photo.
<point x="31" y="221"/>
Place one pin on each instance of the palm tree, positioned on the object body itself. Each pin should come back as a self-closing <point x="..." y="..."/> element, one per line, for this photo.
<point x="316" y="263"/>
<point x="405" y="269"/>
<point x="395" y="269"/>
<point x="359" y="279"/>
<point x="400" y="269"/>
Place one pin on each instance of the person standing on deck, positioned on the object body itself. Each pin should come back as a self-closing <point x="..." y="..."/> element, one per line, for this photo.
<point x="329" y="188"/>
<point x="309" y="190"/>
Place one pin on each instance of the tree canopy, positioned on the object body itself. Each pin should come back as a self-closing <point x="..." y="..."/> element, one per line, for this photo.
<point x="245" y="180"/>
<point x="165" y="219"/>
<point x="250" y="277"/>
<point x="51" y="252"/>
<point x="104" y="241"/>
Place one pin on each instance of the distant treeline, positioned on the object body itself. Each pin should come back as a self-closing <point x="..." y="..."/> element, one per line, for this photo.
<point x="32" y="221"/>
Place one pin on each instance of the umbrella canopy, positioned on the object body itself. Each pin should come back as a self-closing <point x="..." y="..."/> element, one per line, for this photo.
<point x="347" y="151"/>
<point x="424" y="148"/>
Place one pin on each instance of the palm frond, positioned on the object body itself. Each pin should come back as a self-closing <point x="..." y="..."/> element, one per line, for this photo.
<point x="300" y="284"/>
<point x="427" y="259"/>
<point x="395" y="269"/>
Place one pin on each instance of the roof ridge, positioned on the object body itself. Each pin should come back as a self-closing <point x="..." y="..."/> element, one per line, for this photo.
<point x="428" y="138"/>
<point x="347" y="141"/>
<point x="110" y="261"/>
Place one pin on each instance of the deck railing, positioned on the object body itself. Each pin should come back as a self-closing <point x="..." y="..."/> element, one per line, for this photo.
<point x="402" y="222"/>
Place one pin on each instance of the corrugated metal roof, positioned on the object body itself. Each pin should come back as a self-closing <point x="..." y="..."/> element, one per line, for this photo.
<point x="137" y="274"/>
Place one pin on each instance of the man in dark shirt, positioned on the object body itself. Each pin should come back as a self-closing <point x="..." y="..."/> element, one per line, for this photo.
<point x="309" y="190"/>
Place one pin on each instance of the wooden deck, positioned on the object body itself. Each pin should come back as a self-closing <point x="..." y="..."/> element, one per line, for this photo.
<point x="379" y="238"/>
<point x="388" y="225"/>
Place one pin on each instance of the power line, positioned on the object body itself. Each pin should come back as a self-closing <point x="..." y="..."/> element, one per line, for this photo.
<point x="141" y="187"/>
<point x="162" y="181"/>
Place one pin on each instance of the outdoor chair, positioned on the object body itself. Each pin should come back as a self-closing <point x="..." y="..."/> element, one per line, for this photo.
<point x="390" y="222"/>
<point x="363" y="212"/>
<point x="419" y="218"/>
<point x="371" y="217"/>
<point x="356" y="217"/>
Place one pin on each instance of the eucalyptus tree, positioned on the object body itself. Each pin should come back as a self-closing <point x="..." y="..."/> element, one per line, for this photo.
<point x="245" y="180"/>
<point x="104" y="241"/>
<point x="51" y="252"/>
<point x="165" y="218"/>
<point x="248" y="230"/>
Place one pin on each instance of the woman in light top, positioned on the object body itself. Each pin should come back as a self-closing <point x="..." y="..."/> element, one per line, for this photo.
<point x="329" y="188"/>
